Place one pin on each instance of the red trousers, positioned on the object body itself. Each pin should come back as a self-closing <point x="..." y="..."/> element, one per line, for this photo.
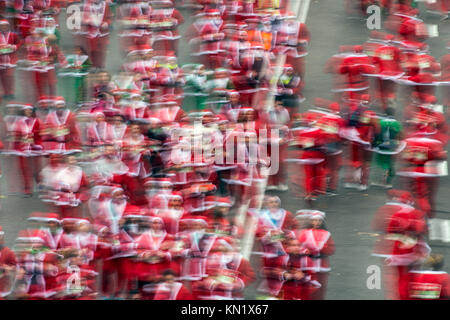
<point x="360" y="159"/>
<point x="44" y="83"/>
<point x="29" y="168"/>
<point x="332" y="166"/>
<point x="96" y="49"/>
<point x="396" y="280"/>
<point x="424" y="190"/>
<point x="7" y="80"/>
<point x="314" y="182"/>
<point x="386" y="91"/>
<point x="281" y="176"/>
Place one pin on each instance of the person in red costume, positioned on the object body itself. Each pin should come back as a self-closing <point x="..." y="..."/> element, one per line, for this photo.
<point x="387" y="60"/>
<point x="402" y="243"/>
<point x="429" y="282"/>
<point x="169" y="289"/>
<point x="7" y="266"/>
<point x="10" y="44"/>
<point x="422" y="158"/>
<point x="316" y="245"/>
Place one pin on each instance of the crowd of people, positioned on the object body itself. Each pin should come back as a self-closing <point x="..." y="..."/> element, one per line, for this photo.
<point x="155" y="176"/>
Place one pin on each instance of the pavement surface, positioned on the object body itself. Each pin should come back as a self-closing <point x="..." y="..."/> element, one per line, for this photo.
<point x="349" y="214"/>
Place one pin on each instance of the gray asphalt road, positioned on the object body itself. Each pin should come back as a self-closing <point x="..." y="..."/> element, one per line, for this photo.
<point x="349" y="214"/>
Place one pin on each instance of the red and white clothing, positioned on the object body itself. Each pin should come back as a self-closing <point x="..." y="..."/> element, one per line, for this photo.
<point x="59" y="133"/>
<point x="428" y="285"/>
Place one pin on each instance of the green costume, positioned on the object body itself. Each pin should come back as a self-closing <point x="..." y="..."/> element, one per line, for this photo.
<point x="73" y="77"/>
<point x="385" y="144"/>
<point x="195" y="94"/>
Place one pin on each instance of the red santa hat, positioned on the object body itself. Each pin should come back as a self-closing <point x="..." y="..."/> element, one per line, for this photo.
<point x="303" y="214"/>
<point x="401" y="195"/>
<point x="163" y="182"/>
<point x="60" y="100"/>
<point x="37" y="217"/>
<point x="14" y="104"/>
<point x="221" y="119"/>
<point x="223" y="202"/>
<point x="132" y="212"/>
<point x="389" y="37"/>
<point x="358" y="49"/>
<point x="246" y="110"/>
<point x="317" y="215"/>
<point x="288" y="67"/>
<point x="429" y="99"/>
<point x="4" y="22"/>
<point x="334" y="107"/>
<point x="52" y="217"/>
<point x="30" y="236"/>
<point x="140" y="49"/>
<point x="45" y="99"/>
<point x="212" y="12"/>
<point x="26" y="106"/>
<point x="81" y="221"/>
<point x="210" y="201"/>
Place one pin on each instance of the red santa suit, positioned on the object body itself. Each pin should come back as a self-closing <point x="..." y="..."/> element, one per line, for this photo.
<point x="332" y="124"/>
<point x="304" y="288"/>
<point x="96" y="18"/>
<point x="59" y="133"/>
<point x="292" y="39"/>
<point x="97" y="132"/>
<point x="135" y="16"/>
<point x="25" y="143"/>
<point x="41" y="57"/>
<point x="428" y="285"/>
<point x="387" y="59"/>
<point x="403" y="239"/>
<point x="228" y="275"/>
<point x="164" y="23"/>
<point x="106" y="213"/>
<point x="356" y="67"/>
<point x="274" y="219"/>
<point x="445" y="76"/>
<point x="423" y="178"/>
<point x="39" y="268"/>
<point x="153" y="254"/>
<point x="9" y="45"/>
<point x="317" y="245"/>
<point x="205" y="35"/>
<point x="275" y="261"/>
<point x="7" y="260"/>
<point x="360" y="133"/>
<point x="171" y="291"/>
<point x="310" y="140"/>
<point x="133" y="152"/>
<point x="198" y="246"/>
<point x="64" y="186"/>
